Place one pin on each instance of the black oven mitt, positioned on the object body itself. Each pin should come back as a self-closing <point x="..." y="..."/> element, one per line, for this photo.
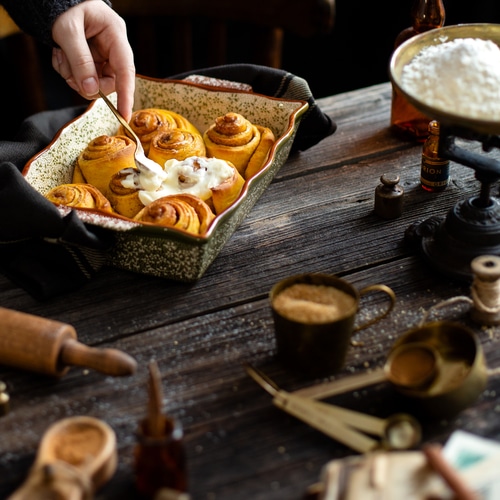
<point x="48" y="254"/>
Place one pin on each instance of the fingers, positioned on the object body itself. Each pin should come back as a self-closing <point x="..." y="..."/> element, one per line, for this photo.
<point x="94" y="53"/>
<point x="61" y="65"/>
<point x="124" y="82"/>
<point x="74" y="60"/>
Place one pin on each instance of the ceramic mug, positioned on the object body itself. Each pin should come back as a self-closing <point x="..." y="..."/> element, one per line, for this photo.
<point x="314" y="318"/>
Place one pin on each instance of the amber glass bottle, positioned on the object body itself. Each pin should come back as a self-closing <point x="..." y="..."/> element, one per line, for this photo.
<point x="407" y="122"/>
<point x="435" y="171"/>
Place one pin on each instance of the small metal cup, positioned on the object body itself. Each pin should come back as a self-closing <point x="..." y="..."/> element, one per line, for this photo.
<point x="319" y="348"/>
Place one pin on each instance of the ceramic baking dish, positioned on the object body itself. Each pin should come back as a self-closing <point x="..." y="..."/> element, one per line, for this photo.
<point x="160" y="251"/>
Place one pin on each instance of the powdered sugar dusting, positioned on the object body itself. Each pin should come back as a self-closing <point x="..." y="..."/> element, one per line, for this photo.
<point x="461" y="76"/>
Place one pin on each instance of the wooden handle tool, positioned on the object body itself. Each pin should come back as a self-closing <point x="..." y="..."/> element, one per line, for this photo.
<point x="156" y="419"/>
<point x="47" y="346"/>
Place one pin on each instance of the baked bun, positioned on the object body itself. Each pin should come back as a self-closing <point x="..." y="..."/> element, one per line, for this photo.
<point x="176" y="143"/>
<point x="102" y="158"/>
<point x="234" y="138"/>
<point x="79" y="196"/>
<point x="180" y="211"/>
<point x="147" y="122"/>
<point x="213" y="180"/>
<point x="123" y="192"/>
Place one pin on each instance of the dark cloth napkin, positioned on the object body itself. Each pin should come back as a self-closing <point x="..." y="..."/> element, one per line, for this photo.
<point x="48" y="254"/>
<point x="314" y="126"/>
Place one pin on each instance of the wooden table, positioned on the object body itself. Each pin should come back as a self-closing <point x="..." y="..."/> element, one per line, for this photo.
<point x="317" y="215"/>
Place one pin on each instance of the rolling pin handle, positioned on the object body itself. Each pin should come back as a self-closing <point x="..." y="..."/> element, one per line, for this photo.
<point x="108" y="361"/>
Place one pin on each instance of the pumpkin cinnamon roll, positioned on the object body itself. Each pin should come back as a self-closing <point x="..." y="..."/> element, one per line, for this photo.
<point x="261" y="154"/>
<point x="215" y="181"/>
<point x="79" y="196"/>
<point x="226" y="193"/>
<point x="181" y="211"/>
<point x="146" y="123"/>
<point x="104" y="156"/>
<point x="176" y="143"/>
<point x="123" y="192"/>
<point x="234" y="138"/>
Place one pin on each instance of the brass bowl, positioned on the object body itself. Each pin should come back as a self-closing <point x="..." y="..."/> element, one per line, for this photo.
<point x="409" y="49"/>
<point x="460" y="373"/>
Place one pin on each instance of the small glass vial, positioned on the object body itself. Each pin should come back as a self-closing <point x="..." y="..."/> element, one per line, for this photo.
<point x="4" y="399"/>
<point x="389" y="197"/>
<point x="160" y="462"/>
<point x="434" y="171"/>
<point x="407" y="122"/>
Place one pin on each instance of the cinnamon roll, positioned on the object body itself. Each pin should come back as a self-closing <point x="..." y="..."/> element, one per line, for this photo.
<point x="123" y="192"/>
<point x="232" y="137"/>
<point x="176" y="143"/>
<point x="79" y="196"/>
<point x="181" y="211"/>
<point x="226" y="193"/>
<point x="104" y="156"/>
<point x="147" y="122"/>
<point x="261" y="154"/>
<point x="213" y="180"/>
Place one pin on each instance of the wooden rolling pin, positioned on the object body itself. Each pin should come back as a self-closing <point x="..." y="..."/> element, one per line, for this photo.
<point x="51" y="347"/>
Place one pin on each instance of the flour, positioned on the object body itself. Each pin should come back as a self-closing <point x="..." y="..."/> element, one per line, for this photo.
<point x="461" y="76"/>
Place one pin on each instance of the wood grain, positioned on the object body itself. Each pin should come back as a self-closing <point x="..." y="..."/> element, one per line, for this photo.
<point x="317" y="215"/>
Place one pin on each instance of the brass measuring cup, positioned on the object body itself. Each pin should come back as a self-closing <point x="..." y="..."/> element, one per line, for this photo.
<point x="409" y="365"/>
<point x="441" y="389"/>
<point x="351" y="428"/>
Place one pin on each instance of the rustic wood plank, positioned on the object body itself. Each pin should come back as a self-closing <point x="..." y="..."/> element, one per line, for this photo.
<point x="317" y="215"/>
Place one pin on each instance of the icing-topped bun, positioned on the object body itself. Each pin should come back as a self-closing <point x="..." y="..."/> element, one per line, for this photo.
<point x="213" y="180"/>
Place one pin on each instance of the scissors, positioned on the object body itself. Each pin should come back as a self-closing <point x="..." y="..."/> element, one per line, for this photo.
<point x="351" y="428"/>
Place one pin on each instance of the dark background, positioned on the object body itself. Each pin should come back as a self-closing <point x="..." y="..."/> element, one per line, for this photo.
<point x="356" y="53"/>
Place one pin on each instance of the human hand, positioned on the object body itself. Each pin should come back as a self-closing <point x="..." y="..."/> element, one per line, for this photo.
<point x="94" y="53"/>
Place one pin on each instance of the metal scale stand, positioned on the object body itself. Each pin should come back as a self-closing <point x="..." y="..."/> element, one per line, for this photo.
<point x="472" y="227"/>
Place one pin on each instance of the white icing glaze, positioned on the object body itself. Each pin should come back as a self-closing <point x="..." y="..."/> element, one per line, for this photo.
<point x="195" y="175"/>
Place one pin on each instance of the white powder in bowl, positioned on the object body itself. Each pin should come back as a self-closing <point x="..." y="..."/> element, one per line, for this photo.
<point x="461" y="76"/>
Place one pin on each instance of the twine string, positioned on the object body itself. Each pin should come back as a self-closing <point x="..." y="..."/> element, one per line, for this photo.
<point x="486" y="295"/>
<point x="444" y="303"/>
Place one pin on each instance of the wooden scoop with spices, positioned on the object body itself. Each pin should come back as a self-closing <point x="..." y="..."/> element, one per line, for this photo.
<point x="77" y="455"/>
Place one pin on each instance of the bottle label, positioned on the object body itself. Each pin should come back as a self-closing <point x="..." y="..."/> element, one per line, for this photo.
<point x="434" y="174"/>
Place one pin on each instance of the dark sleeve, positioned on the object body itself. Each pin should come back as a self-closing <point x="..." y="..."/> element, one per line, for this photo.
<point x="36" y="17"/>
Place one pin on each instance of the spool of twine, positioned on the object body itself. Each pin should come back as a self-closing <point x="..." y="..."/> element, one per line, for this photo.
<point x="485" y="290"/>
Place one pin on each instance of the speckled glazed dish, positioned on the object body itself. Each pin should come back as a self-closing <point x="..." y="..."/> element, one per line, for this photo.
<point x="160" y="251"/>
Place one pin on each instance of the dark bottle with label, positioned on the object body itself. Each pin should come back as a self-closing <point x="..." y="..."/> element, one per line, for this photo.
<point x="407" y="122"/>
<point x="434" y="171"/>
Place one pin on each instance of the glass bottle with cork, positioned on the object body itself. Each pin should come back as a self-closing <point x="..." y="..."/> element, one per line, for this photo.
<point x="407" y="122"/>
<point x="434" y="171"/>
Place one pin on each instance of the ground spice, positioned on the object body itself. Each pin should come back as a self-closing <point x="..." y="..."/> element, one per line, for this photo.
<point x="413" y="366"/>
<point x="77" y="443"/>
<point x="312" y="304"/>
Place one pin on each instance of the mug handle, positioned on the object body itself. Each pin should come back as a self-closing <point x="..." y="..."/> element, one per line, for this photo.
<point x="377" y="288"/>
<point x="443" y="304"/>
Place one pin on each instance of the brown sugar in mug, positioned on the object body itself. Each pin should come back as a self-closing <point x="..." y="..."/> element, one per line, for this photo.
<point x="314" y="318"/>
